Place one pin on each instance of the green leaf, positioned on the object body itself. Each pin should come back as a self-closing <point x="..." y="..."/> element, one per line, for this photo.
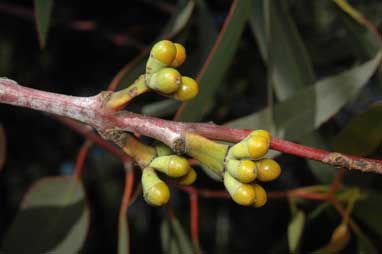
<point x="173" y="237"/>
<point x="295" y="229"/>
<point x="53" y="218"/>
<point x="207" y="29"/>
<point x="123" y="236"/>
<point x="362" y="135"/>
<point x="291" y="64"/>
<point x="292" y="67"/>
<point x="43" y="11"/>
<point x="369" y="211"/>
<point x="365" y="246"/>
<point x="312" y="106"/>
<point x="180" y="18"/>
<point x="219" y="60"/>
<point x="161" y="108"/>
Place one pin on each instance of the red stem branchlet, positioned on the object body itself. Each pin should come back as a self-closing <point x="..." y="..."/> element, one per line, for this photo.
<point x="92" y="111"/>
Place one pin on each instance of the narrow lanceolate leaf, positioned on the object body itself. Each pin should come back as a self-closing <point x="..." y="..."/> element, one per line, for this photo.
<point x="295" y="229"/>
<point x="363" y="208"/>
<point x="218" y="61"/>
<point x="173" y="237"/>
<point x="43" y="11"/>
<point x="292" y="66"/>
<point x="338" y="241"/>
<point x="3" y="147"/>
<point x="365" y="246"/>
<point x="180" y="18"/>
<point x="312" y="106"/>
<point x="123" y="236"/>
<point x="362" y="135"/>
<point x="53" y="218"/>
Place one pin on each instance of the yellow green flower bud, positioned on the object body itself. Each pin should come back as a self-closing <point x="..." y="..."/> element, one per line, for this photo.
<point x="166" y="81"/>
<point x="267" y="170"/>
<point x="188" y="179"/>
<point x="243" y="170"/>
<point x="241" y="193"/>
<point x="171" y="165"/>
<point x="155" y="191"/>
<point x="180" y="56"/>
<point x="254" y="146"/>
<point x="188" y="89"/>
<point x="261" y="196"/>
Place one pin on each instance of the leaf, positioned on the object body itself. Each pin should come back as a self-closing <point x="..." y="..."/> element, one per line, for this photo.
<point x="43" y="11"/>
<point x="362" y="135"/>
<point x="292" y="66"/>
<point x="207" y="29"/>
<point x="174" y="239"/>
<point x="312" y="106"/>
<point x="219" y="60"/>
<point x="161" y="108"/>
<point x="369" y="211"/>
<point x="295" y="229"/>
<point x="338" y="241"/>
<point x="346" y="7"/>
<point x="53" y="217"/>
<point x="364" y="244"/>
<point x="3" y="147"/>
<point x="179" y="19"/>
<point x="123" y="236"/>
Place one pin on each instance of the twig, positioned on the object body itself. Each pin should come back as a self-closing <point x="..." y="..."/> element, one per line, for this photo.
<point x="92" y="111"/>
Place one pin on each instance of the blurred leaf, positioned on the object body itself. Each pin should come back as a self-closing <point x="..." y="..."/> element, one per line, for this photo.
<point x="3" y="147"/>
<point x="180" y="17"/>
<point x="123" y="236"/>
<point x="369" y="211"/>
<point x="364" y="244"/>
<point x="346" y="7"/>
<point x="295" y="229"/>
<point x="130" y="72"/>
<point x="292" y="67"/>
<point x="362" y="135"/>
<point x="298" y="115"/>
<point x="173" y="237"/>
<point x="220" y="58"/>
<point x="338" y="241"/>
<point x="207" y="29"/>
<point x="161" y="108"/>
<point x="53" y="218"/>
<point x="361" y="40"/>
<point x="43" y="11"/>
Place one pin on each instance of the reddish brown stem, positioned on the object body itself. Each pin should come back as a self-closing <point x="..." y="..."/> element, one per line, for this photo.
<point x="91" y="110"/>
<point x="194" y="218"/>
<point x="81" y="159"/>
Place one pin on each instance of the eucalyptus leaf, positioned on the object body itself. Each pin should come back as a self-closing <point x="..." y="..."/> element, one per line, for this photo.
<point x="43" y="14"/>
<point x="369" y="211"/>
<point x="362" y="135"/>
<point x="53" y="217"/>
<point x="173" y="237"/>
<point x="297" y="115"/>
<point x="219" y="60"/>
<point x="295" y="229"/>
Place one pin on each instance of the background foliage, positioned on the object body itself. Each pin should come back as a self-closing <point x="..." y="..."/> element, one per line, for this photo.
<point x="306" y="70"/>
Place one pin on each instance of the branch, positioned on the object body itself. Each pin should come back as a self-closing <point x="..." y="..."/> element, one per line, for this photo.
<point x="92" y="111"/>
